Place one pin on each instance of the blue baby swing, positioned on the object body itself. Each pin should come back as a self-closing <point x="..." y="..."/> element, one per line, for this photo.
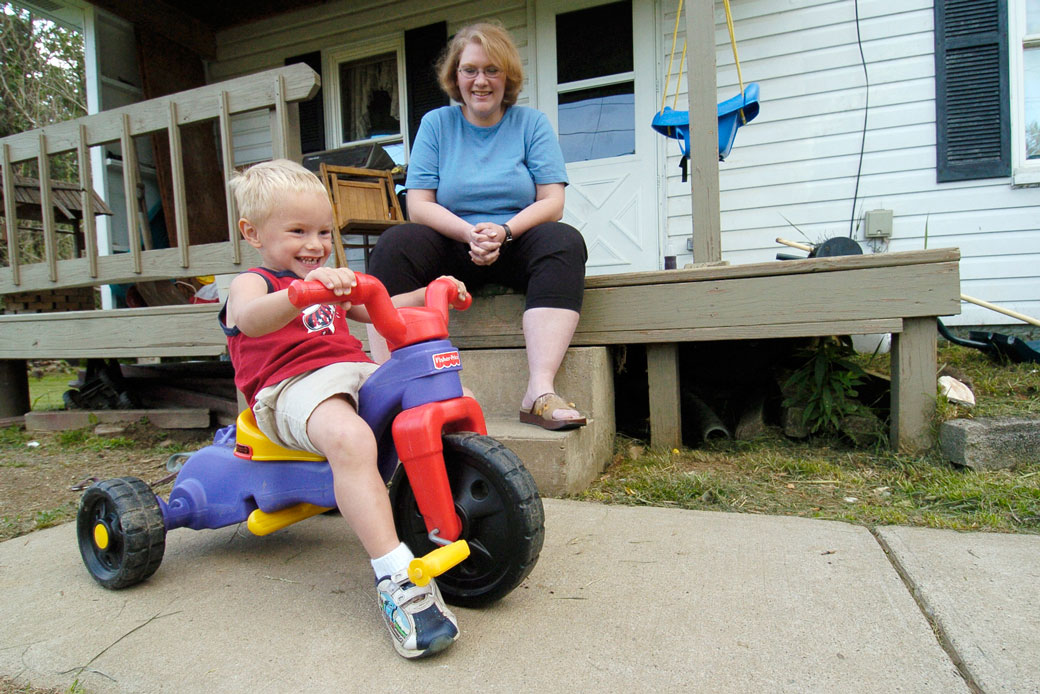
<point x="732" y="113"/>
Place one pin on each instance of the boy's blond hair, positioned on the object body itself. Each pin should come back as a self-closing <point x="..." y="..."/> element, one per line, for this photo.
<point x="256" y="189"/>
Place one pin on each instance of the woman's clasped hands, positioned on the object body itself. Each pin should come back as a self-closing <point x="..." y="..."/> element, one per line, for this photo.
<point x="485" y="243"/>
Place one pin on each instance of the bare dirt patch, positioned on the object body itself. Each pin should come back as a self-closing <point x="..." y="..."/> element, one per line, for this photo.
<point x="42" y="476"/>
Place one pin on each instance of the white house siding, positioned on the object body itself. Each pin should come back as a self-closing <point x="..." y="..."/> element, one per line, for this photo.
<point x="792" y="171"/>
<point x="266" y="44"/>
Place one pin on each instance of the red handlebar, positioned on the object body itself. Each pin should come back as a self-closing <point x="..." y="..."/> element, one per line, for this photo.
<point x="442" y="293"/>
<point x="303" y="294"/>
<point x="399" y="326"/>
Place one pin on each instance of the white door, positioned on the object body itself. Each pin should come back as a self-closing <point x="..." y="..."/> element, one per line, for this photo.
<point x="596" y="83"/>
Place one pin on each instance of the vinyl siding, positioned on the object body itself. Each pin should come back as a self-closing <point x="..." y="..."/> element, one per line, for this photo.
<point x="792" y="171"/>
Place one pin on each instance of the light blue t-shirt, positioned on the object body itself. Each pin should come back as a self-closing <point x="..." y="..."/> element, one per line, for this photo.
<point x="485" y="174"/>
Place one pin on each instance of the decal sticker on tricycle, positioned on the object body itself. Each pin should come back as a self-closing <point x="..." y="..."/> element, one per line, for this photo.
<point x="446" y="360"/>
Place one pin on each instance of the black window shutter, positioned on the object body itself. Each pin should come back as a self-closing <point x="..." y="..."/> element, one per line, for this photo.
<point x="972" y="101"/>
<point x="422" y="47"/>
<point x="312" y="112"/>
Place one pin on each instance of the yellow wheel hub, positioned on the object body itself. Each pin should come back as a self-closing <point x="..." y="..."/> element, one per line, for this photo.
<point x="101" y="536"/>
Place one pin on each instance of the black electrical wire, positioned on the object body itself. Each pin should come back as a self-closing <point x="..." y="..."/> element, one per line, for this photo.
<point x="866" y="107"/>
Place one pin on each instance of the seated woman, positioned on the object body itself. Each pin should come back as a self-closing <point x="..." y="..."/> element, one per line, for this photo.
<point x="485" y="195"/>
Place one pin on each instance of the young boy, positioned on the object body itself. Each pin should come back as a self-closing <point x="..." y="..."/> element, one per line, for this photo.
<point x="301" y="372"/>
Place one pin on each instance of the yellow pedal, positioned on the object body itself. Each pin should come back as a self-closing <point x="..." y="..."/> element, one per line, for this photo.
<point x="260" y="523"/>
<point x="422" y="569"/>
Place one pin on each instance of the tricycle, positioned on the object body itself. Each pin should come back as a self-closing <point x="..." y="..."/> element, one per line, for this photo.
<point x="451" y="486"/>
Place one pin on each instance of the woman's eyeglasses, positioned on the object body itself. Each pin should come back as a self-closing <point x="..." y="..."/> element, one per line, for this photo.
<point x="470" y="72"/>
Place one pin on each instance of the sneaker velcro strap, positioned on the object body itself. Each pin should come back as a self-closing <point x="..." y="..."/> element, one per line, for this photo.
<point x="402" y="595"/>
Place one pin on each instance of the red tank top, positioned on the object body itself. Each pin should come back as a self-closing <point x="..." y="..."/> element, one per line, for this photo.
<point x="317" y="337"/>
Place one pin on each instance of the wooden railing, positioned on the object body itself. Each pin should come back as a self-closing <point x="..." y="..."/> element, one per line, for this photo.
<point x="277" y="90"/>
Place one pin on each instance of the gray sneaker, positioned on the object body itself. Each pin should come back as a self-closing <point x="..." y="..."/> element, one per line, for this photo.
<point x="420" y="623"/>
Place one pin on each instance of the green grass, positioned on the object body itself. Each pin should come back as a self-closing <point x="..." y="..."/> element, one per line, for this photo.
<point x="818" y="480"/>
<point x="85" y="439"/>
<point x="13" y="436"/>
<point x="45" y="391"/>
<point x="54" y="516"/>
<point x="8" y="686"/>
<point x="828" y="478"/>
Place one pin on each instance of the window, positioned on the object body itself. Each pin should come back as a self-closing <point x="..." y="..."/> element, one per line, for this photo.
<point x="1025" y="28"/>
<point x="365" y="97"/>
<point x="596" y="92"/>
<point x="1031" y="79"/>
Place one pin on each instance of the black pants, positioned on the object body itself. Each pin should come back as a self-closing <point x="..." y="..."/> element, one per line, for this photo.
<point x="546" y="263"/>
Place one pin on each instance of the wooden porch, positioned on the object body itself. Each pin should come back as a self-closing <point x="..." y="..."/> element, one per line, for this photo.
<point x="900" y="293"/>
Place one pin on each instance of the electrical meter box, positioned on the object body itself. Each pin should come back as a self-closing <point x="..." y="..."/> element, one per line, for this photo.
<point x="878" y="224"/>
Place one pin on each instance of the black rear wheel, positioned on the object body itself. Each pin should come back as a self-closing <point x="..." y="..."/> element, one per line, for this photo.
<point x="502" y="519"/>
<point x="121" y="532"/>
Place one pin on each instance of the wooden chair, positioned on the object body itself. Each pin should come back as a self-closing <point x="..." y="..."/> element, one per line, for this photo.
<point x="364" y="204"/>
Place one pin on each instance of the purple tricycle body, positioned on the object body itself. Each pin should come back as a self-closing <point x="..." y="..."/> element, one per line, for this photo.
<point x="215" y="488"/>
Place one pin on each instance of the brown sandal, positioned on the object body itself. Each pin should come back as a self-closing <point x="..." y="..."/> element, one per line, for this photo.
<point x="542" y="410"/>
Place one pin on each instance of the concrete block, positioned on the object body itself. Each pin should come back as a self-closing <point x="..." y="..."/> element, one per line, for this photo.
<point x="560" y="462"/>
<point x="990" y="443"/>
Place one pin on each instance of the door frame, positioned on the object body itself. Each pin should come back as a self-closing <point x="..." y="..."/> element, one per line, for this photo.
<point x="646" y="13"/>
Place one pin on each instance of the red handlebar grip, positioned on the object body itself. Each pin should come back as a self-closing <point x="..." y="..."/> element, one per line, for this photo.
<point x="442" y="293"/>
<point x="303" y="294"/>
<point x="462" y="304"/>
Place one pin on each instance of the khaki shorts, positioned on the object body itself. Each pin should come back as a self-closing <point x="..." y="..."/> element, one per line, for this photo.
<point x="282" y="410"/>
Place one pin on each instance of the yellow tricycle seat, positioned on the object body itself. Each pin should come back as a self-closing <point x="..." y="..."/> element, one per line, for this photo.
<point x="252" y="444"/>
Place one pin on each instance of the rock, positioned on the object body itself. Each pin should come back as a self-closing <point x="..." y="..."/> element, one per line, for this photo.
<point x="956" y="391"/>
<point x="109" y="429"/>
<point x="863" y="429"/>
<point x="793" y="424"/>
<point x="752" y="421"/>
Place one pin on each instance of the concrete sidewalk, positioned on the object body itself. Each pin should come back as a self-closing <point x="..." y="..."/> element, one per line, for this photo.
<point x="623" y="599"/>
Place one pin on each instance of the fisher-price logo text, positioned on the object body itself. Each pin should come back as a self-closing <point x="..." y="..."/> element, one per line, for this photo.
<point x="446" y="360"/>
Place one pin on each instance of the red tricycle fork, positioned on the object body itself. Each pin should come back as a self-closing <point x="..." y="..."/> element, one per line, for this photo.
<point x="417" y="436"/>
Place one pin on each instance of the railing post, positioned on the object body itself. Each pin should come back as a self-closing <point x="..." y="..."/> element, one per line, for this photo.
<point x="179" y="204"/>
<point x="133" y="230"/>
<point x="86" y="182"/>
<point x="50" y="237"/>
<point x="10" y="213"/>
<point x="227" y="151"/>
<point x="285" y="125"/>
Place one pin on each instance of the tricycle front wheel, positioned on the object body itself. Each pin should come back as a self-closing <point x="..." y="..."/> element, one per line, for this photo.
<point x="121" y="533"/>
<point x="502" y="519"/>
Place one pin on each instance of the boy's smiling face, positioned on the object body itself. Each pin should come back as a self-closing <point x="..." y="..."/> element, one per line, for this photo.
<point x="297" y="234"/>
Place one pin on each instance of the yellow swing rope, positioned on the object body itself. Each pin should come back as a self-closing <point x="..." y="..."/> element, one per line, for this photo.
<point x="736" y="58"/>
<point x="671" y="58"/>
<point x="682" y="61"/>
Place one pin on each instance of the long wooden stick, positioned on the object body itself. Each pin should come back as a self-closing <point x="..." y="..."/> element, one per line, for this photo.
<point x="1000" y="309"/>
<point x="794" y="244"/>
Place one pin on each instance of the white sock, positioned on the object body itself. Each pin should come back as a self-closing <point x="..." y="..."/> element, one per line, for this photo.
<point x="393" y="561"/>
